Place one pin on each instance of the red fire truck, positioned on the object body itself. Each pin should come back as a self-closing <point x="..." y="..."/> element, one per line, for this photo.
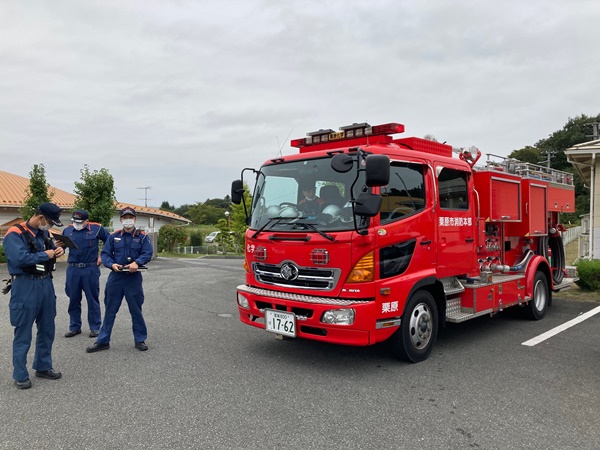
<point x="400" y="238"/>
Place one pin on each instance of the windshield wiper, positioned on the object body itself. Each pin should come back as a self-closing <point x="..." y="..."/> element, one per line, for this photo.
<point x="322" y="233"/>
<point x="268" y="222"/>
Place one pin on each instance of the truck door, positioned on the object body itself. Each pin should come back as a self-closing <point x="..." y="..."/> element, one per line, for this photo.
<point x="406" y="231"/>
<point x="456" y="225"/>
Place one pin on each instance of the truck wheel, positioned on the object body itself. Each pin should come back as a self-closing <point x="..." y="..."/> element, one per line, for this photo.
<point x="541" y="294"/>
<point x="414" y="340"/>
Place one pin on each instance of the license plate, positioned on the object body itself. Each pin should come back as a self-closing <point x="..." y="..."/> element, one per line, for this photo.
<point x="280" y="322"/>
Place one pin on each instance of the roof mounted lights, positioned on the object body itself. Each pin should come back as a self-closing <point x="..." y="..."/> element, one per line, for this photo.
<point x="354" y="131"/>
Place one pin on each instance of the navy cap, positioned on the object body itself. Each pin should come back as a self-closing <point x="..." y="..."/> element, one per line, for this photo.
<point x="50" y="212"/>
<point x="128" y="210"/>
<point x="79" y="216"/>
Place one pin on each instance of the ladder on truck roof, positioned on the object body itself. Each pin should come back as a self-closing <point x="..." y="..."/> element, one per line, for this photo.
<point x="528" y="170"/>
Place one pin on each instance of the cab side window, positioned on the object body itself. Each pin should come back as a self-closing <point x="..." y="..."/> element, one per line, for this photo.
<point x="405" y="193"/>
<point x="453" y="189"/>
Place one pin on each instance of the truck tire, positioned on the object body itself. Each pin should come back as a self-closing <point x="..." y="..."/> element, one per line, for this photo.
<point x="414" y="339"/>
<point x="540" y="298"/>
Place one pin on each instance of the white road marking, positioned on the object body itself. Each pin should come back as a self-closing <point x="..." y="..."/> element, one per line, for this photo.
<point x="554" y="331"/>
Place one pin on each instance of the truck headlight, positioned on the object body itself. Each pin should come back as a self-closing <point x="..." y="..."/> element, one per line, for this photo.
<point x="338" y="316"/>
<point x="243" y="301"/>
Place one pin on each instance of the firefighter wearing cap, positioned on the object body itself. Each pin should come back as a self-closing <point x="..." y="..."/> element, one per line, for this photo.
<point x="83" y="271"/>
<point x="31" y="255"/>
<point x="125" y="250"/>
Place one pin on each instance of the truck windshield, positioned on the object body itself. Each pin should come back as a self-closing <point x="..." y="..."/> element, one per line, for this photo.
<point x="305" y="195"/>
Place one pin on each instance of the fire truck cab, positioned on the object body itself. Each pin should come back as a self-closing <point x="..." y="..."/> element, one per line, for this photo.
<point x="403" y="238"/>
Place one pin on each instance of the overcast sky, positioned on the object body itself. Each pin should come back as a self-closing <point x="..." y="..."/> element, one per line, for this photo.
<point x="182" y="95"/>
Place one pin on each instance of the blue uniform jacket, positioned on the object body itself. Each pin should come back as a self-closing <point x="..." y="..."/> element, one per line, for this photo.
<point x="17" y="250"/>
<point x="87" y="241"/>
<point x="122" y="244"/>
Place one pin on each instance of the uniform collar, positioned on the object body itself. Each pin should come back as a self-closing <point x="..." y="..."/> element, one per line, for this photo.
<point x="32" y="230"/>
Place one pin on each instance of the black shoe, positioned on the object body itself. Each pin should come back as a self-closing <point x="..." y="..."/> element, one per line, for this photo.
<point x="94" y="333"/>
<point x="51" y="374"/>
<point x="73" y="333"/>
<point x="95" y="347"/>
<point x="23" y="384"/>
<point x="141" y="346"/>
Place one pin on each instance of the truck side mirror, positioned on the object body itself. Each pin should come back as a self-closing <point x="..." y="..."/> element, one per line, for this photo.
<point x="237" y="189"/>
<point x="367" y="205"/>
<point x="377" y="170"/>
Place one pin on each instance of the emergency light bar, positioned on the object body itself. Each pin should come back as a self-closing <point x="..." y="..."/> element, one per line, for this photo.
<point x="356" y="130"/>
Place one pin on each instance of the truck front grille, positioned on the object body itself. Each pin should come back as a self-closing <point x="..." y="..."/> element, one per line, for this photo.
<point x="320" y="278"/>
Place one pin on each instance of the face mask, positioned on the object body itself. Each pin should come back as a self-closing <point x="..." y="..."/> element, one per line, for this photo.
<point x="78" y="226"/>
<point x="45" y="227"/>
<point x="128" y="223"/>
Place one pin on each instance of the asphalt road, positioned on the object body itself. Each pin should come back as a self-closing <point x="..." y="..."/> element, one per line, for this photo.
<point x="209" y="381"/>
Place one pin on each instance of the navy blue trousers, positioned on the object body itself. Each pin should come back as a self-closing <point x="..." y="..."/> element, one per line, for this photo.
<point x="86" y="280"/>
<point x="32" y="300"/>
<point x="119" y="285"/>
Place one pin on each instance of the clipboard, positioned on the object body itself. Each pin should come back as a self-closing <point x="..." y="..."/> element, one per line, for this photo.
<point x="65" y="240"/>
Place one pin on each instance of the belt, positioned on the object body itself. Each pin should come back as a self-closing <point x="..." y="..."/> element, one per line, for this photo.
<point x="81" y="265"/>
<point x="31" y="276"/>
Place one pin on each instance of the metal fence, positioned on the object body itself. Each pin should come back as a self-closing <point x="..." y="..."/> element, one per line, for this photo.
<point x="211" y="249"/>
<point x="571" y="234"/>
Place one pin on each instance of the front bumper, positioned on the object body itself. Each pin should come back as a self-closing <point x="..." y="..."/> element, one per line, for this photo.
<point x="309" y="310"/>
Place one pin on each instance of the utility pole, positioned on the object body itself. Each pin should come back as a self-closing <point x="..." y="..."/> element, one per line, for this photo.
<point x="549" y="154"/>
<point x="145" y="188"/>
<point x="595" y="130"/>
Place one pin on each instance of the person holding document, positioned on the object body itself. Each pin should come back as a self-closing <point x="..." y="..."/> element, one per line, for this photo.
<point x="31" y="258"/>
<point x="124" y="252"/>
<point x="83" y="271"/>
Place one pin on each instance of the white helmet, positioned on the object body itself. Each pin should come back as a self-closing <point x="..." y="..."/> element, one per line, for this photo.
<point x="333" y="210"/>
<point x="288" y="212"/>
<point x="273" y="211"/>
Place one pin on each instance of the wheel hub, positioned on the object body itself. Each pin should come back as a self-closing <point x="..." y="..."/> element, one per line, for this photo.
<point x="420" y="326"/>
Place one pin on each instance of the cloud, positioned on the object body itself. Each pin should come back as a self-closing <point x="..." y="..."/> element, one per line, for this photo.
<point x="182" y="95"/>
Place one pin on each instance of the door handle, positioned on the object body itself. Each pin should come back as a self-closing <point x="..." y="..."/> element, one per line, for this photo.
<point x="469" y="240"/>
<point x="425" y="242"/>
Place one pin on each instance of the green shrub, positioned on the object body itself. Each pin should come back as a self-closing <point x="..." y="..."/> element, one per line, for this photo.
<point x="589" y="275"/>
<point x="196" y="239"/>
<point x="2" y="255"/>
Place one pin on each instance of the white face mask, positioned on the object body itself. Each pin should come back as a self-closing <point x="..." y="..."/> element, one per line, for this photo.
<point x="128" y="223"/>
<point x="78" y="226"/>
<point x="45" y="227"/>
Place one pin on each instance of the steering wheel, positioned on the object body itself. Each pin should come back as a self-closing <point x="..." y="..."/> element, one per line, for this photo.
<point x="281" y="205"/>
<point x="401" y="210"/>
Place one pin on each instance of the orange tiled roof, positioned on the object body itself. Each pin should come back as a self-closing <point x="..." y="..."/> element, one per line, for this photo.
<point x="13" y="190"/>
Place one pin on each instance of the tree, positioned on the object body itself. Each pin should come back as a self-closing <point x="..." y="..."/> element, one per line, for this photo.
<point x="169" y="236"/>
<point x="183" y="210"/>
<point x="527" y="154"/>
<point x="237" y="219"/>
<point x="203" y="214"/>
<point x="222" y="203"/>
<point x="574" y="132"/>
<point x="165" y="206"/>
<point x="37" y="191"/>
<point x="96" y="194"/>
